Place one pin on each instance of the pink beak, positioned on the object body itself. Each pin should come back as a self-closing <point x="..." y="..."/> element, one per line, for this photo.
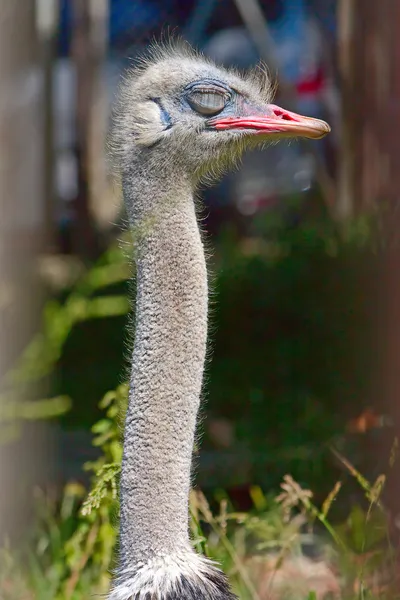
<point x="281" y="122"/>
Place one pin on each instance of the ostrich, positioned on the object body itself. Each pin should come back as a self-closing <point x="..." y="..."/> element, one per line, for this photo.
<point x="179" y="120"/>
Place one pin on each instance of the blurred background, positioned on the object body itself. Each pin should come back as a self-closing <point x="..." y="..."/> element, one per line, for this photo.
<point x="304" y="378"/>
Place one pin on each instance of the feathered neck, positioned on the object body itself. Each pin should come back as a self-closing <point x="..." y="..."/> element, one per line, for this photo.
<point x="167" y="366"/>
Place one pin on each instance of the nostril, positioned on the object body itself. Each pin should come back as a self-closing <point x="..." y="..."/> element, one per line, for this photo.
<point x="283" y="115"/>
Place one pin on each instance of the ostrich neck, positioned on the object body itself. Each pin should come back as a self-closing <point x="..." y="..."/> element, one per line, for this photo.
<point x="167" y="367"/>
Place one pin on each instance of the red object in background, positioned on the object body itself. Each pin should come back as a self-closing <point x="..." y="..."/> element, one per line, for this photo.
<point x="313" y="84"/>
<point x="367" y="420"/>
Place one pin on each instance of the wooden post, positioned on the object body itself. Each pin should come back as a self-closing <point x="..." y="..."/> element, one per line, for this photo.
<point x="370" y="177"/>
<point x="369" y="62"/>
<point x="102" y="205"/>
<point x="21" y="218"/>
<point x="88" y="51"/>
<point x="47" y="18"/>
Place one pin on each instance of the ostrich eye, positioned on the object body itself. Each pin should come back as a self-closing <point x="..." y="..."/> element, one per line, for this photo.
<point x="207" y="102"/>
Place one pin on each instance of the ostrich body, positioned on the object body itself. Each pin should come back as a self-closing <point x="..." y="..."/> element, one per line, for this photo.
<point x="179" y="119"/>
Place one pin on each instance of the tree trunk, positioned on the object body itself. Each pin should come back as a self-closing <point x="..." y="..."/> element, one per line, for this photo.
<point x="369" y="56"/>
<point x="21" y="220"/>
<point x="370" y="177"/>
<point x="48" y="13"/>
<point x="89" y="45"/>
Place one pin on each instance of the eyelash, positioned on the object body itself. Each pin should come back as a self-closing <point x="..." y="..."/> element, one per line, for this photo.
<point x="207" y="90"/>
<point x="194" y="100"/>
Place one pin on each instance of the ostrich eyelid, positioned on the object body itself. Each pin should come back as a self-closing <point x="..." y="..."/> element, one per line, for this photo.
<point x="207" y="101"/>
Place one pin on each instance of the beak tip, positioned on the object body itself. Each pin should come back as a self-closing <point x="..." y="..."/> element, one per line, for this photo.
<point x="321" y="130"/>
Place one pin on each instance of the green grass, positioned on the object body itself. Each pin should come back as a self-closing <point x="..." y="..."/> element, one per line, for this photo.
<point x="70" y="552"/>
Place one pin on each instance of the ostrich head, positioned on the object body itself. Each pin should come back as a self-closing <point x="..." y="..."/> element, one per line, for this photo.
<point x="179" y="105"/>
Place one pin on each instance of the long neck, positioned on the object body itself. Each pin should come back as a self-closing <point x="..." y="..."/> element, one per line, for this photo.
<point x="167" y="368"/>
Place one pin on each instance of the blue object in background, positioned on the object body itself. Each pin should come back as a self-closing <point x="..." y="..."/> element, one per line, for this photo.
<point x="129" y="20"/>
<point x="288" y="33"/>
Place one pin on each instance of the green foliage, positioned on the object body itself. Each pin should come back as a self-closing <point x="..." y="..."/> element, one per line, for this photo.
<point x="59" y="318"/>
<point x="91" y="547"/>
<point x="290" y="337"/>
<point x="71" y="552"/>
<point x="282" y="370"/>
<point x="107" y="437"/>
<point x="38" y="362"/>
